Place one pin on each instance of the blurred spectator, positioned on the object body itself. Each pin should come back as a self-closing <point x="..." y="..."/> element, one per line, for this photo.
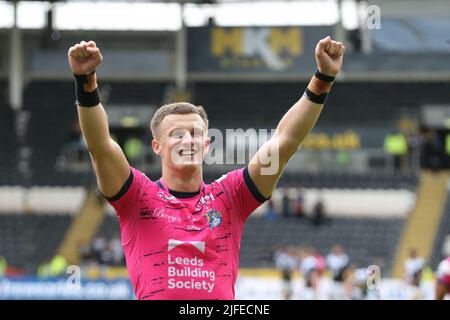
<point x="103" y="253"/>
<point x="414" y="265"/>
<point x="432" y="153"/>
<point x="3" y="266"/>
<point x="287" y="263"/>
<point x="85" y="253"/>
<point x="395" y="145"/>
<point x="359" y="277"/>
<point x="414" y="142"/>
<point x="286" y="204"/>
<point x="338" y="263"/>
<point x="300" y="205"/>
<point x="106" y="256"/>
<point x="321" y="263"/>
<point x="312" y="265"/>
<point x="58" y="266"/>
<point x="271" y="213"/>
<point x="342" y="159"/>
<point x="117" y="251"/>
<point x="99" y="244"/>
<point x="133" y="149"/>
<point x="319" y="216"/>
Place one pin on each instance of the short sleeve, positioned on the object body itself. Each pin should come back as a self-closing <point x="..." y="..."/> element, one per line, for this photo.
<point x="127" y="204"/>
<point x="126" y="200"/>
<point x="242" y="191"/>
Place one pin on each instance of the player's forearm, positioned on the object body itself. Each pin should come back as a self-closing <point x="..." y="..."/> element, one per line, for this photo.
<point x="296" y="125"/>
<point x="266" y="166"/>
<point x="303" y="115"/>
<point x="94" y="126"/>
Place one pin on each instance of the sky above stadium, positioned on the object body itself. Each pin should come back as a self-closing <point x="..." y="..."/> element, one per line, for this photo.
<point x="90" y="15"/>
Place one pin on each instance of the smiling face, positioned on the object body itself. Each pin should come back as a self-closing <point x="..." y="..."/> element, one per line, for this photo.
<point x="182" y="141"/>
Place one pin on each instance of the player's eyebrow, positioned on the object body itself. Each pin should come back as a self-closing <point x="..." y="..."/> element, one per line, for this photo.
<point x="191" y="129"/>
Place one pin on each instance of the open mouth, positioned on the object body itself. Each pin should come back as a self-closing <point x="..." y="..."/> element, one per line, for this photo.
<point x="187" y="152"/>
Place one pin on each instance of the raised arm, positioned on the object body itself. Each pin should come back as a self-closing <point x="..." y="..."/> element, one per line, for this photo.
<point x="110" y="164"/>
<point x="268" y="163"/>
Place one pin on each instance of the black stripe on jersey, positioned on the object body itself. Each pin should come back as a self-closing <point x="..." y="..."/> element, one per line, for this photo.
<point x="152" y="253"/>
<point x="153" y="293"/>
<point x="252" y="187"/>
<point x="219" y="194"/>
<point x="122" y="190"/>
<point x="225" y="236"/>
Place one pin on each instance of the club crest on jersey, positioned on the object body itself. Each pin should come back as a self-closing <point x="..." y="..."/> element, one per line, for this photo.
<point x="204" y="200"/>
<point x="214" y="218"/>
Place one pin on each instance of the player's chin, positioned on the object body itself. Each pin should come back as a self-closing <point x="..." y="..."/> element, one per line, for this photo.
<point x="188" y="162"/>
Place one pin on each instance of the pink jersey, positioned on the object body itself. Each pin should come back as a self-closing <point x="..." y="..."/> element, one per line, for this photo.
<point x="184" y="247"/>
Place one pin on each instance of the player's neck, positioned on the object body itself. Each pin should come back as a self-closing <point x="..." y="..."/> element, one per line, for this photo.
<point x="183" y="180"/>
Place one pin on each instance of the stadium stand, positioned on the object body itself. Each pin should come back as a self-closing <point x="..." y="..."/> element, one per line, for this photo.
<point x="336" y="180"/>
<point x="350" y="103"/>
<point x="365" y="240"/>
<point x="110" y="227"/>
<point x="30" y="239"/>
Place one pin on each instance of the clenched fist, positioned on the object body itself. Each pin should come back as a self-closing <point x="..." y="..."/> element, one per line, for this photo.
<point x="329" y="56"/>
<point x="84" y="57"/>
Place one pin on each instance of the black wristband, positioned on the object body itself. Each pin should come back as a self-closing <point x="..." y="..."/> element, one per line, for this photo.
<point x="83" y="98"/>
<point x="316" y="98"/>
<point x="323" y="77"/>
<point x="88" y="99"/>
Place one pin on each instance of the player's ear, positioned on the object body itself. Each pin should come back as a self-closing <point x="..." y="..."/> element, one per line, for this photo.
<point x="156" y="146"/>
<point x="207" y="144"/>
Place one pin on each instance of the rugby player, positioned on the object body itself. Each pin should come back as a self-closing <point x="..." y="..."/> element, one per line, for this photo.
<point x="181" y="237"/>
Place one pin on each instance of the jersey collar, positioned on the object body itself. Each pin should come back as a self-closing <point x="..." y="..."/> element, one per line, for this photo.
<point x="179" y="194"/>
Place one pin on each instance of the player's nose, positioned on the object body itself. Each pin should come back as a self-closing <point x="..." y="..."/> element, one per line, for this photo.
<point x="188" y="139"/>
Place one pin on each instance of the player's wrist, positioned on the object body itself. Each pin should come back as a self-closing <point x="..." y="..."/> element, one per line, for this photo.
<point x="88" y="81"/>
<point x="319" y="87"/>
<point x="86" y="89"/>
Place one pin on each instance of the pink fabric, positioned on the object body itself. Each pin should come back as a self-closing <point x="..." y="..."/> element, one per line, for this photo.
<point x="184" y="248"/>
<point x="321" y="263"/>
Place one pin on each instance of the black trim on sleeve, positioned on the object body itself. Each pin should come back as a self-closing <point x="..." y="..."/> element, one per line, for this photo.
<point x="122" y="190"/>
<point x="252" y="187"/>
<point x="160" y="185"/>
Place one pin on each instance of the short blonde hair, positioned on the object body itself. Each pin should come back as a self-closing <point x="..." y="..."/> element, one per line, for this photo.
<point x="175" y="108"/>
